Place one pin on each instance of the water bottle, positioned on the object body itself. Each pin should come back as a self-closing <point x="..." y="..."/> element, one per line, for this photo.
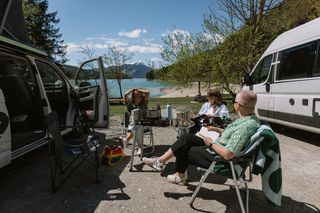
<point x="169" y="111"/>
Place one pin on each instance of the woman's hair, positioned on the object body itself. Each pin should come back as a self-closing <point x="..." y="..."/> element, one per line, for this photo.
<point x="216" y="94"/>
<point x="137" y="94"/>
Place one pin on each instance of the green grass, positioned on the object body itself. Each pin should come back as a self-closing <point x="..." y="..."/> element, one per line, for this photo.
<point x="180" y="104"/>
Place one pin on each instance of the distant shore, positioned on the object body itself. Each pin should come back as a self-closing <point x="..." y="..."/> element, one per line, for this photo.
<point x="191" y="91"/>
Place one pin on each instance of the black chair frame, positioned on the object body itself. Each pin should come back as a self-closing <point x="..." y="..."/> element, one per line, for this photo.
<point x="61" y="152"/>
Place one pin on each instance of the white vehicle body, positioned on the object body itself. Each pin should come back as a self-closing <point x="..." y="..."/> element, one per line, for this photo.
<point x="287" y="79"/>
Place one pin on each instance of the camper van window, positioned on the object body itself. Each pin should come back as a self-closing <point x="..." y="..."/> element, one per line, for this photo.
<point x="317" y="70"/>
<point x="297" y="62"/>
<point x="260" y="74"/>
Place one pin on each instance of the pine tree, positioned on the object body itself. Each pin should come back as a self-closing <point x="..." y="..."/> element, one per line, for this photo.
<point x="42" y="30"/>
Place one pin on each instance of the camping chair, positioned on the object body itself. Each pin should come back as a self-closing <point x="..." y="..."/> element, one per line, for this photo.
<point x="67" y="156"/>
<point x="140" y="131"/>
<point x="238" y="167"/>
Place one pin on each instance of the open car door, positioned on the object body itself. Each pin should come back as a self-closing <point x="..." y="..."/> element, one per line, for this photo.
<point x="92" y="92"/>
<point x="5" y="137"/>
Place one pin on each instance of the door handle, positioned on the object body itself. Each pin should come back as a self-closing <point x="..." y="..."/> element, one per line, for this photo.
<point x="268" y="86"/>
<point x="291" y="101"/>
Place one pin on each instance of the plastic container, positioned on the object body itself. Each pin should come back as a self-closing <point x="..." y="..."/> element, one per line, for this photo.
<point x="169" y="111"/>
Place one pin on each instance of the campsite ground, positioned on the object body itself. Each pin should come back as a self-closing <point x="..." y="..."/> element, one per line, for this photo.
<point x="25" y="184"/>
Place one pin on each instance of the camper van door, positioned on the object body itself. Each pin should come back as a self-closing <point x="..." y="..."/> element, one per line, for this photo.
<point x="260" y="82"/>
<point x="5" y="137"/>
<point x="91" y="88"/>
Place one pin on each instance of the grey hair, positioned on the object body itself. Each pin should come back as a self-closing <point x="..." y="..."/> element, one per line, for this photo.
<point x="247" y="99"/>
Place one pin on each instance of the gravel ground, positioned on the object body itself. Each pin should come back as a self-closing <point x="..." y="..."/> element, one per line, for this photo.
<point x="25" y="183"/>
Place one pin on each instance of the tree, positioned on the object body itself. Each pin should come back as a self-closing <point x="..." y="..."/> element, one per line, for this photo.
<point x="115" y="59"/>
<point x="239" y="25"/>
<point x="182" y="50"/>
<point x="88" y="51"/>
<point x="41" y="28"/>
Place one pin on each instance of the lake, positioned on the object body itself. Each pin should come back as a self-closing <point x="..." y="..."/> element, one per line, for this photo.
<point x="153" y="86"/>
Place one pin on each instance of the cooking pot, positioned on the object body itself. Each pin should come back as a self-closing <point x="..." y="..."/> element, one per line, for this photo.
<point x="153" y="113"/>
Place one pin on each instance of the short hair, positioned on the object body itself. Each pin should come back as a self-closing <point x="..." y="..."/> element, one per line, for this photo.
<point x="247" y="99"/>
<point x="216" y="94"/>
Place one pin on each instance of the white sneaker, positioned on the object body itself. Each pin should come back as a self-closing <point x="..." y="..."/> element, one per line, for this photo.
<point x="174" y="178"/>
<point x="124" y="141"/>
<point x="154" y="162"/>
<point x="139" y="151"/>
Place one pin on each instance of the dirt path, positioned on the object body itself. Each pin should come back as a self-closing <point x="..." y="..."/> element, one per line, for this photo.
<point x="25" y="186"/>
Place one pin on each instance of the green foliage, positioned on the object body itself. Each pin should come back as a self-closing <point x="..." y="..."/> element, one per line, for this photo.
<point x="41" y="28"/>
<point x="150" y="75"/>
<point x="245" y="34"/>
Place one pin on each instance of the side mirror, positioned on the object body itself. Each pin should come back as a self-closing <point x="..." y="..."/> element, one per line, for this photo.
<point x="247" y="80"/>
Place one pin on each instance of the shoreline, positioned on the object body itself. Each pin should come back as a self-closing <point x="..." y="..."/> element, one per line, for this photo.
<point x="190" y="91"/>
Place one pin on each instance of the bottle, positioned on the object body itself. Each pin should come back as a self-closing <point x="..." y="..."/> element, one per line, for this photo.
<point x="169" y="111"/>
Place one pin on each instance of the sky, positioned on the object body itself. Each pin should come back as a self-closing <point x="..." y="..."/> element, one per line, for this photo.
<point x="136" y="26"/>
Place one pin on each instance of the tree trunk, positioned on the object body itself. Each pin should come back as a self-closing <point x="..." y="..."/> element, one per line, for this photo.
<point x="120" y="87"/>
<point x="199" y="87"/>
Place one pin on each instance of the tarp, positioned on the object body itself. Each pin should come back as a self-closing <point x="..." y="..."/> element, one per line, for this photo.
<point x="12" y="24"/>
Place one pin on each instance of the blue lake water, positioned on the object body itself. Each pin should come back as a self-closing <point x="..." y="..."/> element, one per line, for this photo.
<point x="153" y="86"/>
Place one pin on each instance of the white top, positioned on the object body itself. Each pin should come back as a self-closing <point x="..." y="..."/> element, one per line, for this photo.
<point x="207" y="109"/>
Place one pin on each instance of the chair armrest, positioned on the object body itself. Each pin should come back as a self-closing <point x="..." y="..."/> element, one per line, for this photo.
<point x="218" y="158"/>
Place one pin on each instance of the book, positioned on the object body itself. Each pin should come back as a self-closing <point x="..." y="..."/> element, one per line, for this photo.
<point x="205" y="133"/>
<point x="199" y="117"/>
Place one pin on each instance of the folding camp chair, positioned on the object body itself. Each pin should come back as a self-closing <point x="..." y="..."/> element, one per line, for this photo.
<point x="67" y="156"/>
<point x="139" y="130"/>
<point x="238" y="167"/>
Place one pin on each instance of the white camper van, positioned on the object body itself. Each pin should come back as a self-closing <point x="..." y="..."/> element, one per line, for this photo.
<point x="287" y="79"/>
<point x="31" y="86"/>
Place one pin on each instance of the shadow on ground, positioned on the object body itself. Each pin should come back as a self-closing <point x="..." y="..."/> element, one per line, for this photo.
<point x="228" y="198"/>
<point x="302" y="135"/>
<point x="25" y="185"/>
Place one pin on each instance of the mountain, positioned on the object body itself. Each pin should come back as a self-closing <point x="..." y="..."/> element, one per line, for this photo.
<point x="136" y="70"/>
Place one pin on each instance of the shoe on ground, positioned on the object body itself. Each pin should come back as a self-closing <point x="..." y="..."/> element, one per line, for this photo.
<point x="123" y="139"/>
<point x="175" y="179"/>
<point x="139" y="151"/>
<point x="154" y="162"/>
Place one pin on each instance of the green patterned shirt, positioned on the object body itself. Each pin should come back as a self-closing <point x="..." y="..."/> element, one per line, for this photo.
<point x="235" y="136"/>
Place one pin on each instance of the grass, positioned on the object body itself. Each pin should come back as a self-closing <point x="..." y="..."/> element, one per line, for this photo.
<point x="180" y="104"/>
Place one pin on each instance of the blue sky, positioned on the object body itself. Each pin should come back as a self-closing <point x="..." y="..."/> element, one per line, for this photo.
<point x="134" y="25"/>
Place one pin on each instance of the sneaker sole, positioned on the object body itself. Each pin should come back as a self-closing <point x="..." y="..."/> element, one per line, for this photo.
<point x="156" y="169"/>
<point x="183" y="183"/>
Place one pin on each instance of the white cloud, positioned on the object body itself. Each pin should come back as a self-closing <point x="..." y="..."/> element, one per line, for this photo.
<point x="151" y="48"/>
<point x="133" y="34"/>
<point x="116" y="43"/>
<point x="73" y="48"/>
<point x="184" y="33"/>
<point x="178" y="35"/>
<point x="217" y="38"/>
<point x="156" y="59"/>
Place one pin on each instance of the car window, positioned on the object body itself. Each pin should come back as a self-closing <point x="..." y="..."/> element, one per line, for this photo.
<point x="88" y="74"/>
<point x="49" y="75"/>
